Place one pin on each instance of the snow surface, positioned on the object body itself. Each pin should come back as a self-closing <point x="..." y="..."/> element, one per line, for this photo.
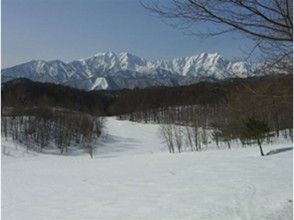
<point x="134" y="177"/>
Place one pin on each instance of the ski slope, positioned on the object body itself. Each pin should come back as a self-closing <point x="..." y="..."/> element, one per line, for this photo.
<point x="134" y="177"/>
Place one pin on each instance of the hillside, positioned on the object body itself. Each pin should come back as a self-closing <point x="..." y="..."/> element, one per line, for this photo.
<point x="24" y="92"/>
<point x="132" y="176"/>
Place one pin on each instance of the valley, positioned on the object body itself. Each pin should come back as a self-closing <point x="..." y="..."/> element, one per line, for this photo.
<point x="132" y="176"/>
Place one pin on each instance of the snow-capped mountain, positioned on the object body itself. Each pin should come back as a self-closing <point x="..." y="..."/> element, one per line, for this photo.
<point x="115" y="71"/>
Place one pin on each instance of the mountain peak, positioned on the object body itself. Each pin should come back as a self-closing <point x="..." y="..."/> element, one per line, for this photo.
<point x="129" y="56"/>
<point x="122" y="54"/>
<point x="125" y="70"/>
<point x="209" y="55"/>
<point x="108" y="54"/>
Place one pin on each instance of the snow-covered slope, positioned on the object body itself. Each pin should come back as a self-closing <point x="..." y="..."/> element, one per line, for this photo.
<point x="134" y="177"/>
<point x="125" y="70"/>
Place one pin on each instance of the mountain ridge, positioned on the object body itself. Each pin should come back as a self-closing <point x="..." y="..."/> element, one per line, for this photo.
<point x="109" y="70"/>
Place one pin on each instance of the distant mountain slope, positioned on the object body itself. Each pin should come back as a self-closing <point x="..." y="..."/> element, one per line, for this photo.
<point x="116" y="71"/>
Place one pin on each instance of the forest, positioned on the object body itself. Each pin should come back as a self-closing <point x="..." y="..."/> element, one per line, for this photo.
<point x="248" y="110"/>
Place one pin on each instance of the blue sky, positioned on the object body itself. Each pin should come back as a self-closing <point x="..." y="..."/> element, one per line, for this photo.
<point x="74" y="29"/>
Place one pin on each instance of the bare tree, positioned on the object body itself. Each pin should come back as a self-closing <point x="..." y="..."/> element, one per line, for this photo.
<point x="204" y="136"/>
<point x="4" y="126"/>
<point x="291" y="134"/>
<point x="196" y="136"/>
<point x="88" y="145"/>
<point x="166" y="131"/>
<point x="178" y="134"/>
<point x="268" y="22"/>
<point x="215" y="136"/>
<point x="189" y="137"/>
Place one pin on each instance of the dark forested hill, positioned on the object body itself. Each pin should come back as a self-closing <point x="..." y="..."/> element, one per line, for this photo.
<point x="23" y="92"/>
<point x="26" y="93"/>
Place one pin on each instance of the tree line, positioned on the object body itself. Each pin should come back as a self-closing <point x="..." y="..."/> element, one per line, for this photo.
<point x="241" y="115"/>
<point x="226" y="108"/>
<point x="42" y="127"/>
<point x="24" y="92"/>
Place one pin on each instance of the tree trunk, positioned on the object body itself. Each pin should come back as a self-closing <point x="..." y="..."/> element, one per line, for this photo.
<point x="260" y="148"/>
<point x="229" y="145"/>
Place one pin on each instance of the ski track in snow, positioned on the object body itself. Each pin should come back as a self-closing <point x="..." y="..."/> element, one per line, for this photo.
<point x="134" y="177"/>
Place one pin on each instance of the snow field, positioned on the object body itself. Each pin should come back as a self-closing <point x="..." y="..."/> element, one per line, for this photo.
<point x="134" y="177"/>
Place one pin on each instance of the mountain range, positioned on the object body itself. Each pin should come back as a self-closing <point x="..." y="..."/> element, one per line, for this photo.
<point x="124" y="70"/>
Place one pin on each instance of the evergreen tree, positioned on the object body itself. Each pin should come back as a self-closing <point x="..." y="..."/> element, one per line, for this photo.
<point x="255" y="129"/>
